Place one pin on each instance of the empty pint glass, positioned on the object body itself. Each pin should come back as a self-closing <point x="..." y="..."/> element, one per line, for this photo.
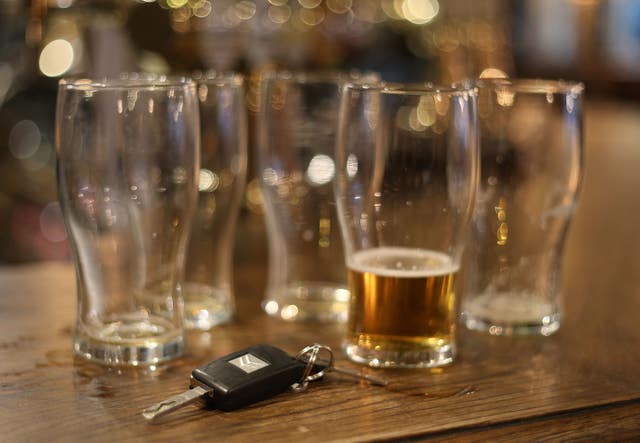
<point x="208" y="286"/>
<point x="406" y="176"/>
<point x="297" y="127"/>
<point x="127" y="163"/>
<point x="531" y="157"/>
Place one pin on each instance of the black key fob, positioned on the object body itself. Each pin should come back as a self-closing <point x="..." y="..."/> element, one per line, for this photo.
<point x="248" y="376"/>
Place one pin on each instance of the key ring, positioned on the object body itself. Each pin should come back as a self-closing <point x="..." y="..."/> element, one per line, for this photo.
<point x="313" y="351"/>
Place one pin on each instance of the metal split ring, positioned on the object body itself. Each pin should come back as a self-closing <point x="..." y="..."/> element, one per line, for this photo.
<point x="312" y="351"/>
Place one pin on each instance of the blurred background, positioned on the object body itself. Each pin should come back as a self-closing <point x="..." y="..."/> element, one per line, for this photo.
<point x="594" y="41"/>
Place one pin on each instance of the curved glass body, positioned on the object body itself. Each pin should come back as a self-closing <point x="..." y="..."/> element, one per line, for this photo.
<point x="128" y="154"/>
<point x="406" y="176"/>
<point x="297" y="128"/>
<point x="208" y="285"/>
<point x="531" y="161"/>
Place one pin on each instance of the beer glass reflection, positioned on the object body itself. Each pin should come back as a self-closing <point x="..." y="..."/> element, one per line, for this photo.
<point x="406" y="174"/>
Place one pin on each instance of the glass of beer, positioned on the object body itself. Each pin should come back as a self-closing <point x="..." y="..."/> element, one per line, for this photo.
<point x="406" y="177"/>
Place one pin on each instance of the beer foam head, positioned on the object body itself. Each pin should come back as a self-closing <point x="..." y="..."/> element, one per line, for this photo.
<point x="402" y="262"/>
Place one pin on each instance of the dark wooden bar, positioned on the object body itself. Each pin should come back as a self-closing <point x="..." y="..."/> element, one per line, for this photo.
<point x="583" y="383"/>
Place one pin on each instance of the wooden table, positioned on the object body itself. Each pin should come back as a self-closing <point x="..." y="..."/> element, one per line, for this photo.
<point x="582" y="383"/>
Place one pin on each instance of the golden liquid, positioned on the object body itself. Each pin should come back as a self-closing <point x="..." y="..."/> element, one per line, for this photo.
<point x="401" y="298"/>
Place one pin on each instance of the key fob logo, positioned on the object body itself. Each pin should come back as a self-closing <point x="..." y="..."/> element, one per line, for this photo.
<point x="249" y="363"/>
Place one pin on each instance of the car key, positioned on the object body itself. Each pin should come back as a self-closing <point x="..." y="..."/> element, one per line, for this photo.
<point x="249" y="376"/>
<point x="237" y="380"/>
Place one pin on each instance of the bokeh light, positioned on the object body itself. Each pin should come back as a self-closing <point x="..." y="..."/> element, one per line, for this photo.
<point x="51" y="224"/>
<point x="24" y="139"/>
<point x="208" y="181"/>
<point x="321" y="170"/>
<point x="419" y="11"/>
<point x="56" y="58"/>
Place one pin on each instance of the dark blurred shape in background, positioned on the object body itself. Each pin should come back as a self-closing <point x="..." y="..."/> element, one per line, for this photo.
<point x="596" y="41"/>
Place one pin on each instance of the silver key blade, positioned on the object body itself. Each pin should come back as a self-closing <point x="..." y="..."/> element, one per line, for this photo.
<point x="360" y="375"/>
<point x="175" y="402"/>
<point x="353" y="373"/>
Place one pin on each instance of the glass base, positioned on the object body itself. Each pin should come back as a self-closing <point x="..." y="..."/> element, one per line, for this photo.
<point x="400" y="353"/>
<point x="308" y="301"/>
<point x="129" y="341"/>
<point x="511" y="314"/>
<point x="206" y="306"/>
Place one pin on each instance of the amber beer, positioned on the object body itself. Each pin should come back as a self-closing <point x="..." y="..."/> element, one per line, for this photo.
<point x="402" y="303"/>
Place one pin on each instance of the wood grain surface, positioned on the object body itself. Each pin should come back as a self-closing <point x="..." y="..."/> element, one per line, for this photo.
<point x="583" y="383"/>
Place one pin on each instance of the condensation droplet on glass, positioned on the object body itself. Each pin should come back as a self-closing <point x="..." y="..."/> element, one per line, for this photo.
<point x="270" y="176"/>
<point x="505" y="98"/>
<point x="132" y="97"/>
<point x="570" y="103"/>
<point x="461" y="102"/>
<point x="352" y="166"/>
<point x="502" y="234"/>
<point x="203" y="91"/>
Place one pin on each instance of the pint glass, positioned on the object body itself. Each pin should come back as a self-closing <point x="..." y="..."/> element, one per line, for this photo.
<point x="406" y="176"/>
<point x="128" y="154"/>
<point x="297" y="129"/>
<point x="208" y="286"/>
<point x="531" y="162"/>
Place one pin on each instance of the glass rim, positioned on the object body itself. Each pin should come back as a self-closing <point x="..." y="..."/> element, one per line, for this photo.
<point x="427" y="88"/>
<point x="532" y="85"/>
<point x="126" y="81"/>
<point x="221" y="78"/>
<point x="322" y="76"/>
